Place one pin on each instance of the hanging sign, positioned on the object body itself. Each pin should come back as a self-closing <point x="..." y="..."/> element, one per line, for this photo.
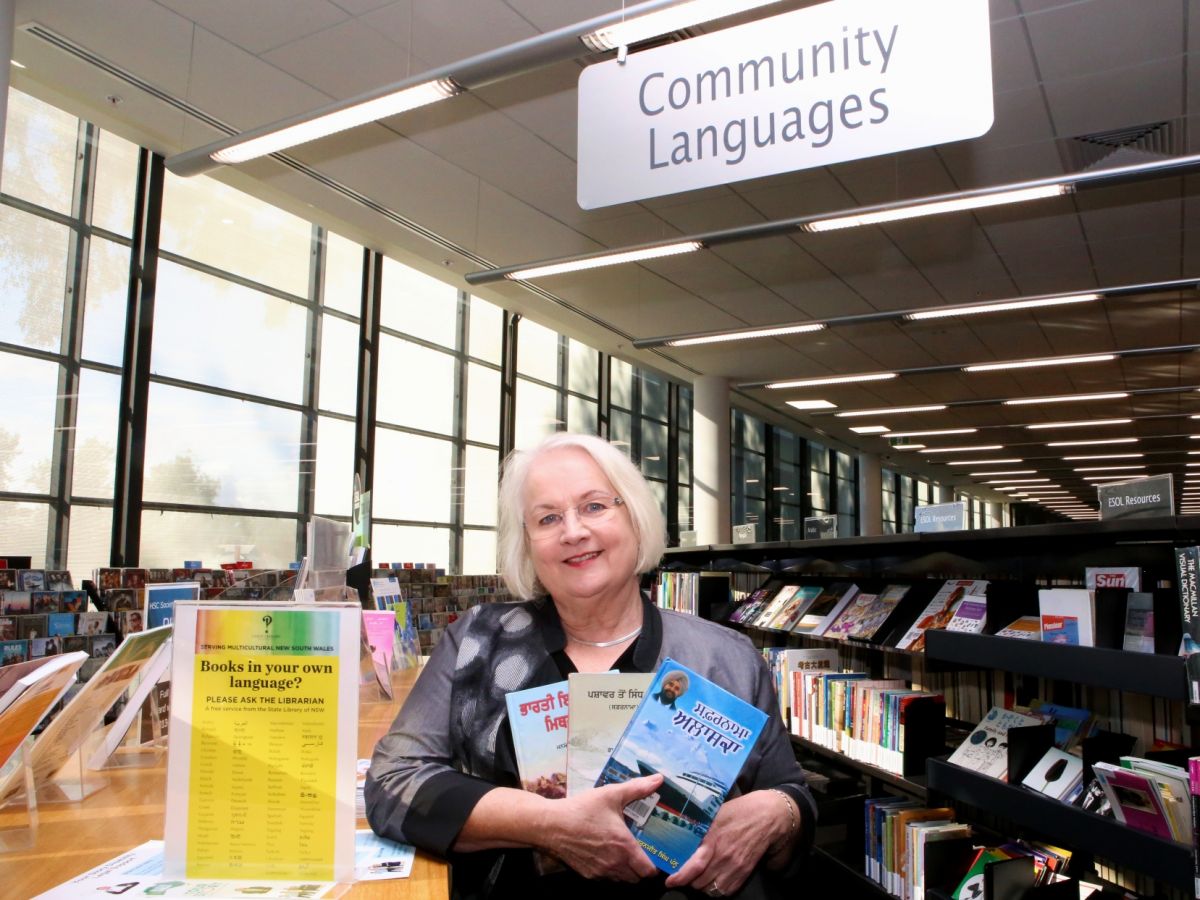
<point x="1144" y="498"/>
<point x="843" y="80"/>
<point x="818" y="527"/>
<point x="940" y="517"/>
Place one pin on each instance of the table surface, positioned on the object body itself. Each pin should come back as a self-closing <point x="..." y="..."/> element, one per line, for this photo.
<point x="74" y="837"/>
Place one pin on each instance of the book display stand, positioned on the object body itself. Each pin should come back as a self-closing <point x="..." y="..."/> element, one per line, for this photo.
<point x="72" y="783"/>
<point x="22" y="836"/>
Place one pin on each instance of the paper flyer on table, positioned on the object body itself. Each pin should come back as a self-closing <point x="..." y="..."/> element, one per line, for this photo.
<point x="263" y="738"/>
<point x="378" y="859"/>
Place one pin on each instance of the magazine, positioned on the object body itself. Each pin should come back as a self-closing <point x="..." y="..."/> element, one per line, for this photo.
<point x="867" y="614"/>
<point x="697" y="736"/>
<point x="940" y="610"/>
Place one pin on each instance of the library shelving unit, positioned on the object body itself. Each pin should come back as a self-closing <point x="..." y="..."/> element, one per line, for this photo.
<point x="1018" y="560"/>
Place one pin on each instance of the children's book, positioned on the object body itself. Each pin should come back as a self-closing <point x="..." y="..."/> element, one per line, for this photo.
<point x="601" y="705"/>
<point x="1027" y="628"/>
<point x="1071" y="724"/>
<point x="1068" y="616"/>
<point x="1139" y="623"/>
<point x="826" y="608"/>
<point x="772" y="607"/>
<point x="1135" y="799"/>
<point x="970" y="616"/>
<point x="538" y="719"/>
<point x="1173" y="792"/>
<point x="697" y="736"/>
<point x="939" y="611"/>
<point x="800" y="603"/>
<point x="1057" y="774"/>
<point x="986" y="748"/>
<point x="865" y="615"/>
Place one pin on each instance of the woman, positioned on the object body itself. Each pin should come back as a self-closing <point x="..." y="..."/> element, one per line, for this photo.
<point x="578" y="524"/>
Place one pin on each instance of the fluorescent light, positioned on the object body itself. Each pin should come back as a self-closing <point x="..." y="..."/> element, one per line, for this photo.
<point x="664" y="21"/>
<point x="607" y="259"/>
<point x="1066" y="398"/>
<point x="907" y="446"/>
<point x="1106" y="468"/>
<point x="1105" y="456"/>
<point x="982" y="462"/>
<point x="973" y="449"/>
<point x="893" y="410"/>
<point x="1001" y="306"/>
<point x="832" y="379"/>
<point x="938" y="207"/>
<point x="1046" y="492"/>
<point x="1114" y="477"/>
<point x="1012" y="472"/>
<point x="1043" y="425"/>
<point x="338" y="120"/>
<point x="745" y="335"/>
<point x="1039" y="363"/>
<point x="870" y="429"/>
<point x="19" y="65"/>
<point x="1093" y="443"/>
<point x="936" y="433"/>
<point x="812" y="404"/>
<point x="1018" y="481"/>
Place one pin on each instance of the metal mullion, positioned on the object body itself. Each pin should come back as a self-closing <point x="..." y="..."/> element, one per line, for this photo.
<point x="412" y="523"/>
<point x="508" y="383"/>
<point x="458" y="470"/>
<point x="771" y="506"/>
<point x="368" y="372"/>
<point x="419" y="341"/>
<point x="806" y="505"/>
<point x="482" y="445"/>
<point x="306" y="482"/>
<point x="232" y="278"/>
<point x="158" y="506"/>
<point x="673" y="461"/>
<point x="330" y="414"/>
<point x="41" y="212"/>
<point x="46" y="355"/>
<point x="135" y="378"/>
<point x="560" y="390"/>
<point x="229" y="393"/>
<point x="405" y="429"/>
<point x="604" y="400"/>
<point x="66" y="408"/>
<point x="25" y="497"/>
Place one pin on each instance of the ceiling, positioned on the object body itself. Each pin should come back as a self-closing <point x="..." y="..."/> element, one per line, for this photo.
<point x="488" y="179"/>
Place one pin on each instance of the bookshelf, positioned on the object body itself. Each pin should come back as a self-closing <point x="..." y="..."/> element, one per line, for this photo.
<point x="1018" y="560"/>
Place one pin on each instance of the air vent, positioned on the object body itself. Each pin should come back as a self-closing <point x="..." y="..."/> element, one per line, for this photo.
<point x="1123" y="146"/>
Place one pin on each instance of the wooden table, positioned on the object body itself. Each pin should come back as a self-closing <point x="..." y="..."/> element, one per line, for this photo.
<point x="74" y="837"/>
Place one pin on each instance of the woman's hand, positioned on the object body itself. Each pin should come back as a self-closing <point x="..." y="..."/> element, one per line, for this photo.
<point x="744" y="829"/>
<point x="588" y="831"/>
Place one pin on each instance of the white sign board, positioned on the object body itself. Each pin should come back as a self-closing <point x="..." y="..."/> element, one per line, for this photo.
<point x="848" y="79"/>
<point x="941" y="517"/>
<point x="745" y="534"/>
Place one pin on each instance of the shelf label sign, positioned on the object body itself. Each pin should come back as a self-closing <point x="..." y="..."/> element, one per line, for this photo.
<point x="941" y="517"/>
<point x="843" y="80"/>
<point x="745" y="534"/>
<point x="818" y="527"/>
<point x="1144" y="498"/>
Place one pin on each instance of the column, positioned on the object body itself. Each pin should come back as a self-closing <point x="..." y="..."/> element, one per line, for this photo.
<point x="870" y="494"/>
<point x="710" y="459"/>
<point x="945" y="493"/>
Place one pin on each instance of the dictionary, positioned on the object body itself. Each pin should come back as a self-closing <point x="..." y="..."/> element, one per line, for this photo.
<point x="697" y="736"/>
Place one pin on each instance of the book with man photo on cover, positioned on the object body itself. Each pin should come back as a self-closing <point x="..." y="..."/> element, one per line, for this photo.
<point x="697" y="736"/>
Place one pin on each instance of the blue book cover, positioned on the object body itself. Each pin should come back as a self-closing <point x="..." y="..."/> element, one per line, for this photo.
<point x="538" y="719"/>
<point x="698" y="736"/>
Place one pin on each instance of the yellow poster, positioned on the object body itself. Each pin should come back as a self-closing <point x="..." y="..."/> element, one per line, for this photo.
<point x="263" y="783"/>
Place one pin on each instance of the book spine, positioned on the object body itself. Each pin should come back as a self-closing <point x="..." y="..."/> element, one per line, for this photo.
<point x="1194" y="795"/>
<point x="1189" y="596"/>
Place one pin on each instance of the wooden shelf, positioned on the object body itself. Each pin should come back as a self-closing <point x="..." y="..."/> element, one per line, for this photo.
<point x="1062" y="823"/>
<point x="913" y="788"/>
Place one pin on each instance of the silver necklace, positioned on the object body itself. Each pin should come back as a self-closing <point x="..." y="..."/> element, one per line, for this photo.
<point x="611" y="643"/>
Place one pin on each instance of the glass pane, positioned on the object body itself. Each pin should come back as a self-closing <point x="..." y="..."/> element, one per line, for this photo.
<point x="754" y="434"/>
<point x="23" y="531"/>
<point x="654" y="395"/>
<point x="845" y="466"/>
<point x="250" y="342"/>
<point x="845" y="525"/>
<point x="788" y="525"/>
<point x="685" y="408"/>
<point x="685" y="509"/>
<point x="343" y="274"/>
<point x="583" y="368"/>
<point x="213" y="223"/>
<point x="685" y="457"/>
<point x="419" y="305"/>
<point x="537" y="412"/>
<point x="483" y="404"/>
<point x="787" y="445"/>
<point x="39" y="152"/>
<point x="889" y="508"/>
<point x="819" y="498"/>
<point x="620" y="430"/>
<point x="339" y="366"/>
<point x="479" y="553"/>
<point x="787" y="483"/>
<point x="26" y="422"/>
<point x="210" y="450"/>
<point x="168" y="538"/>
<point x="33" y="266"/>
<point x="755" y="468"/>
<point x="537" y="352"/>
<point x="408" y="543"/>
<point x="96" y="434"/>
<point x="621" y="383"/>
<point x="485" y="333"/>
<point x="659" y="490"/>
<point x="756" y="512"/>
<point x="416" y="386"/>
<point x="582" y="416"/>
<point x="412" y="478"/>
<point x="818" y="457"/>
<point x="116" y="184"/>
<point x="105" y="302"/>
<point x="481" y="482"/>
<point x="90" y="540"/>
<point x="334" y="467"/>
<point x="654" y="450"/>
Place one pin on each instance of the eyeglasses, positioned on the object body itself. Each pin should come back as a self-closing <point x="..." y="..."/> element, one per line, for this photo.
<point x="549" y="523"/>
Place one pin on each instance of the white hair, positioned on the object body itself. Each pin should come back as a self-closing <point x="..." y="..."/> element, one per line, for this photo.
<point x="512" y="545"/>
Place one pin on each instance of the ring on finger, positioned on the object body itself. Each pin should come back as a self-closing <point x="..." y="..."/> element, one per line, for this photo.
<point x="714" y="890"/>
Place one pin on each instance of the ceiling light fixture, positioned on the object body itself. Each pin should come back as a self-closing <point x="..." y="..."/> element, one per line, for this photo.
<point x="983" y="462"/>
<point x="1019" y="481"/>
<point x="1105" y="456"/>
<point x="870" y="429"/>
<point x="1039" y="363"/>
<point x="1043" y="425"/>
<point x="1098" y="441"/>
<point x="972" y="200"/>
<point x="1066" y="398"/>
<point x="1105" y="468"/>
<point x="1114" y="478"/>
<point x="891" y="410"/>
<point x="936" y="433"/>
<point x="749" y="334"/>
<point x="1000" y="306"/>
<point x="832" y="379"/>
<point x="605" y="259"/>
<point x="1012" y="472"/>
<point x="974" y="449"/>
<point x="812" y="404"/>
<point x="908" y="446"/>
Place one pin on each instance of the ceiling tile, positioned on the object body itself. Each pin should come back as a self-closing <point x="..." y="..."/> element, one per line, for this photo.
<point x="1081" y="39"/>
<point x="1140" y="94"/>
<point x="272" y="23"/>
<point x="320" y="60"/>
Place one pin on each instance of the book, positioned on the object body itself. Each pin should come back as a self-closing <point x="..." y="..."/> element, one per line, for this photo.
<point x="939" y="611"/>
<point x="772" y="606"/>
<point x="600" y="707"/>
<point x="970" y="616"/>
<point x="29" y="697"/>
<point x="1068" y="616"/>
<point x="866" y="614"/>
<point x="1027" y="628"/>
<point x="795" y="608"/>
<point x="1071" y="724"/>
<point x="1134" y="798"/>
<point x="792" y="660"/>
<point x="538" y="719"/>
<point x="1193" y="770"/>
<point x="1139" y="623"/>
<point x="1173" y="792"/>
<point x="1113" y="577"/>
<point x="986" y="748"/>
<point x="825" y="609"/>
<point x="698" y="736"/>
<point x="1057" y="774"/>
